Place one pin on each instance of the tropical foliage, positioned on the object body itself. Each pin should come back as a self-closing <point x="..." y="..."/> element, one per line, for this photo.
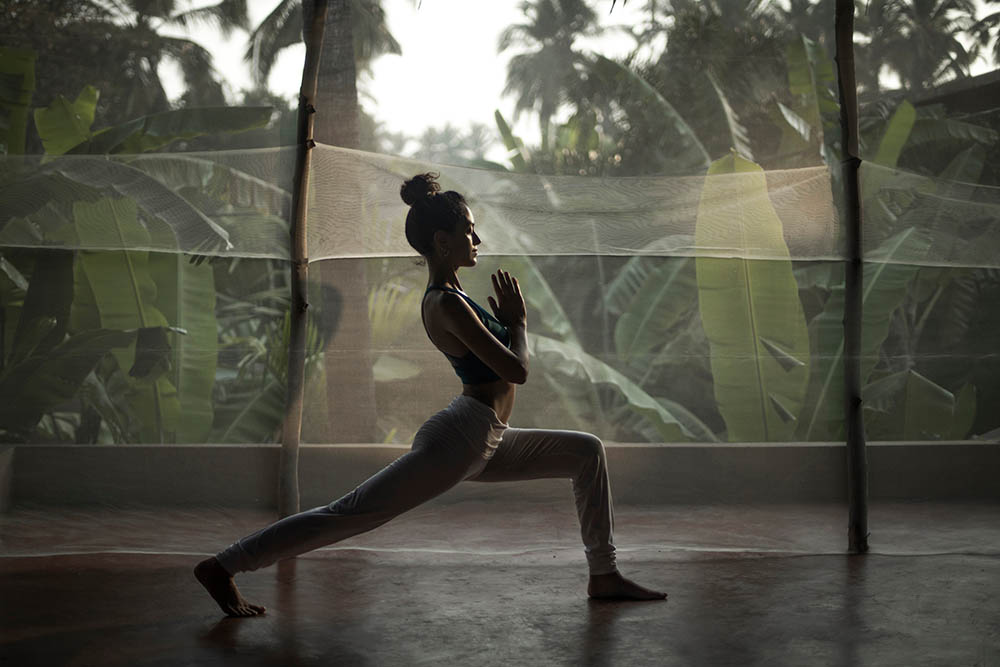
<point x="116" y="329"/>
<point x="778" y="107"/>
<point x="82" y="320"/>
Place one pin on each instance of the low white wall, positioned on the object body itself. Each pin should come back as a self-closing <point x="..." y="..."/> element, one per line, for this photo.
<point x="246" y="475"/>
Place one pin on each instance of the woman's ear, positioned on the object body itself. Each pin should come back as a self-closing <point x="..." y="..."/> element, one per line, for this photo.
<point x="441" y="242"/>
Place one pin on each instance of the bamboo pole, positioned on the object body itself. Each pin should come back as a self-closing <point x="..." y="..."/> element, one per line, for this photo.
<point x="857" y="458"/>
<point x="288" y="476"/>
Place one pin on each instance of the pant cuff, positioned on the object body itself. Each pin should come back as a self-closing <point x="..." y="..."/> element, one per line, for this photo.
<point x="229" y="559"/>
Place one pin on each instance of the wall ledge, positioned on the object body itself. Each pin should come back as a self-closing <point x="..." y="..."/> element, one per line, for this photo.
<point x="641" y="473"/>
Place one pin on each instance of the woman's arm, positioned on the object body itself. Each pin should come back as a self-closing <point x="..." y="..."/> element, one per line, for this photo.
<point x="460" y="320"/>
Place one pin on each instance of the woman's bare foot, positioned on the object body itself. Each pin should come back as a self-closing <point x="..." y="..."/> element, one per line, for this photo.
<point x="223" y="589"/>
<point x="614" y="586"/>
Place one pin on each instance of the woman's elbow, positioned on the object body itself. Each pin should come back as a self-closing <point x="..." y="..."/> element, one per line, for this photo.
<point x="519" y="376"/>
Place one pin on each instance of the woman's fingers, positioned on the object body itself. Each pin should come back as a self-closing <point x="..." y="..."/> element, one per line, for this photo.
<point x="499" y="282"/>
<point x="505" y="280"/>
<point x="504" y="284"/>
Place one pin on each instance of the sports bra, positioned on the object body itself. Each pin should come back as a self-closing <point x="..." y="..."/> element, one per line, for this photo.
<point x="470" y="368"/>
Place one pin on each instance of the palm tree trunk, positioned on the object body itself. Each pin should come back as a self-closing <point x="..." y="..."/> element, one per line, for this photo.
<point x="857" y="461"/>
<point x="349" y="381"/>
<point x="288" y="476"/>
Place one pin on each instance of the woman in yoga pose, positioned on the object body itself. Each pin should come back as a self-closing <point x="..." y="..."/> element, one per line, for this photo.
<point x="468" y="440"/>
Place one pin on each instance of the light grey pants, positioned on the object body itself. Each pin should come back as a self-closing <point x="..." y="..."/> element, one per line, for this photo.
<point x="465" y="441"/>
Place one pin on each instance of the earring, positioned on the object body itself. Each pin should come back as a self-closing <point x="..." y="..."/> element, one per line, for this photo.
<point x="444" y="252"/>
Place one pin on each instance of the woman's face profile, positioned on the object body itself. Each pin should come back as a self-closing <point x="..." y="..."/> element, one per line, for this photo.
<point x="465" y="241"/>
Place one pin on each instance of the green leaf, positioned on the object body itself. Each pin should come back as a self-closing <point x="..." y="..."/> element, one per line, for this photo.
<point x="63" y="125"/>
<point x="885" y="285"/>
<point x="95" y="395"/>
<point x="152" y="353"/>
<point x="963" y="173"/>
<point x="258" y="419"/>
<point x="813" y="117"/>
<point x="666" y="293"/>
<point x="689" y="154"/>
<point x="155" y="131"/>
<point x="896" y="133"/>
<point x="796" y="122"/>
<point x="13" y="274"/>
<point x="44" y="381"/>
<point x="738" y="138"/>
<point x="950" y="132"/>
<point x="224" y="183"/>
<point x="69" y="180"/>
<point x="670" y="419"/>
<point x="185" y="294"/>
<point x="750" y="309"/>
<point x="124" y="298"/>
<point x="909" y="406"/>
<point x="515" y="146"/>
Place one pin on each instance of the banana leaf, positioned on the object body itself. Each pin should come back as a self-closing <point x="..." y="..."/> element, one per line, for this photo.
<point x="688" y="153"/>
<point x="124" y="297"/>
<point x="673" y="422"/>
<point x="155" y="131"/>
<point x="885" y="285"/>
<point x="738" y="138"/>
<point x="909" y="406"/>
<point x="515" y="146"/>
<point x="224" y="183"/>
<point x="185" y="295"/>
<point x="13" y="274"/>
<point x="257" y="417"/>
<point x="879" y="218"/>
<point x="949" y="131"/>
<point x="104" y="398"/>
<point x="45" y="381"/>
<point x="70" y="180"/>
<point x="64" y="124"/>
<point x="665" y="292"/>
<point x="897" y="132"/>
<point x="750" y="309"/>
<point x="812" y="118"/>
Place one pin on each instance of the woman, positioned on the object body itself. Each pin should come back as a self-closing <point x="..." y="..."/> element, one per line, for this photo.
<point x="468" y="440"/>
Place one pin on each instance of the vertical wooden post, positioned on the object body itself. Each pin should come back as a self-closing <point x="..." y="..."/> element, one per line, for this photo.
<point x="288" y="476"/>
<point x="857" y="458"/>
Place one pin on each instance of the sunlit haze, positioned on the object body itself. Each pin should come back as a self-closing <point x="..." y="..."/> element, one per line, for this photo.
<point x="450" y="71"/>
<point x="452" y="43"/>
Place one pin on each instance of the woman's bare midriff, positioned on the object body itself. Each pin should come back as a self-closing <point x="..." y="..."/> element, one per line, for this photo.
<point x="498" y="394"/>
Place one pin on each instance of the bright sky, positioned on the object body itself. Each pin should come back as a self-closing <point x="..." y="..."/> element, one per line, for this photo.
<point x="453" y="41"/>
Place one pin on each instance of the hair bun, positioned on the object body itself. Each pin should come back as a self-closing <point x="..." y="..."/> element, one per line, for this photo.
<point x="420" y="187"/>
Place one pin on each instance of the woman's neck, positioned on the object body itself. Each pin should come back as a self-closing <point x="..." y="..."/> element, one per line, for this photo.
<point x="443" y="276"/>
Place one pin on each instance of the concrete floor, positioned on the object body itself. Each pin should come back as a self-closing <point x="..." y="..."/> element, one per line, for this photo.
<point x="485" y="583"/>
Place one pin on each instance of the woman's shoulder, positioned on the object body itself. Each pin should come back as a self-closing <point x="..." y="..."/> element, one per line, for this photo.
<point x="446" y="304"/>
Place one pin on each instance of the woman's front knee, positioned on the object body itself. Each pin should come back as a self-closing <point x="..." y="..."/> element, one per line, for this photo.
<point x="592" y="446"/>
